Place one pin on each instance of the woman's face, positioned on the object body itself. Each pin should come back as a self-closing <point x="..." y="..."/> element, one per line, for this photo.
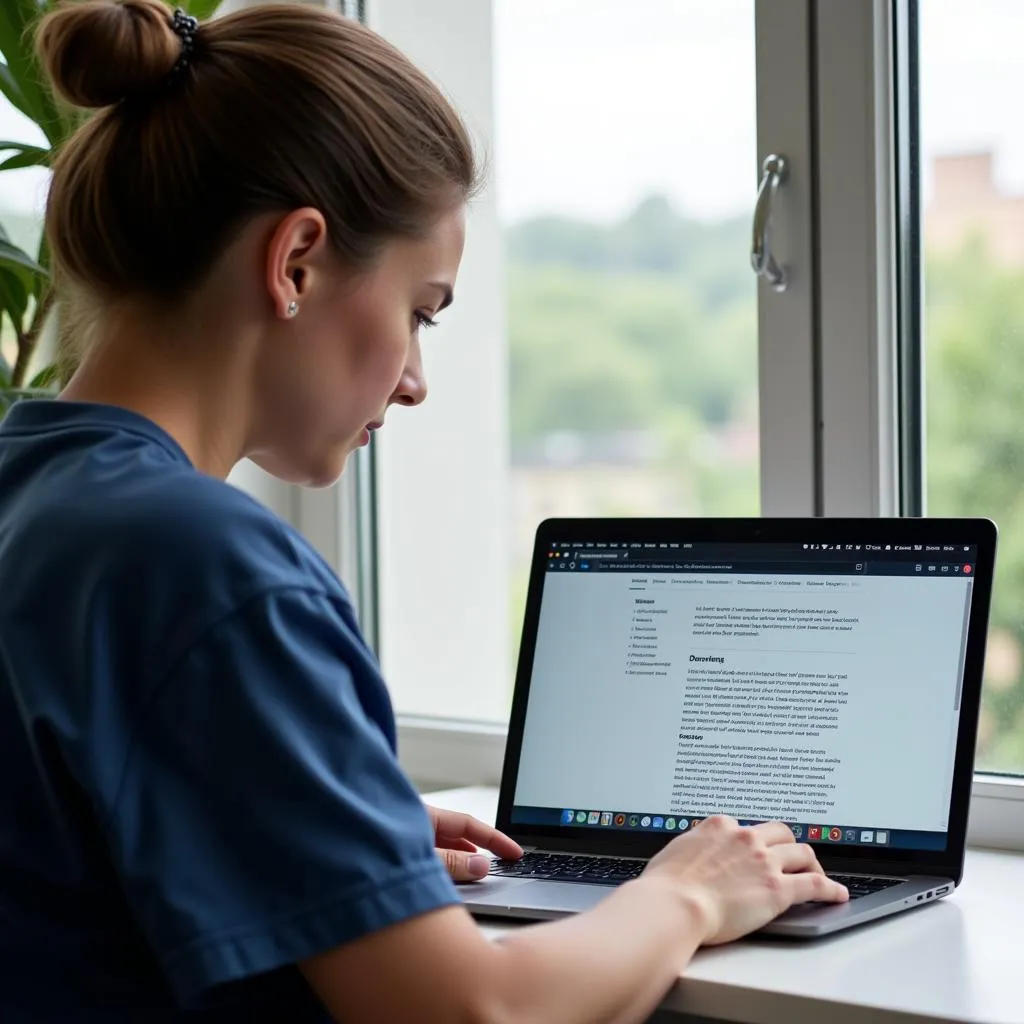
<point x="331" y="372"/>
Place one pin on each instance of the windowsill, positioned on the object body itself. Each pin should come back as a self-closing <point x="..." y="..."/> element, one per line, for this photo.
<point x="954" y="960"/>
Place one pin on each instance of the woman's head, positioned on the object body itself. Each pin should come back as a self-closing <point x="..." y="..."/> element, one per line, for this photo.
<point x="298" y="165"/>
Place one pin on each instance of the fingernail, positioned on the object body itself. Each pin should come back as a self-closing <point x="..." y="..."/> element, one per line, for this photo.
<point x="478" y="865"/>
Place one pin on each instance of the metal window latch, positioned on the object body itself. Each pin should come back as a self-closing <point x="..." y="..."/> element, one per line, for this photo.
<point x="774" y="171"/>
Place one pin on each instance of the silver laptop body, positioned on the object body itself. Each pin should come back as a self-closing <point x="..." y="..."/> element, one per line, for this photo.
<point x="826" y="673"/>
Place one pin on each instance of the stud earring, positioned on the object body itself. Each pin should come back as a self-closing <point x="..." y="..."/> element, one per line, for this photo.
<point x="293" y="308"/>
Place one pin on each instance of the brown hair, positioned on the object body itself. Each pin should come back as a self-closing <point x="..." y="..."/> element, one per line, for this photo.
<point x="279" y="107"/>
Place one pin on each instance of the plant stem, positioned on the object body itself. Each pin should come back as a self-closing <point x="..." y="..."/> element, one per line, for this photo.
<point x="28" y="340"/>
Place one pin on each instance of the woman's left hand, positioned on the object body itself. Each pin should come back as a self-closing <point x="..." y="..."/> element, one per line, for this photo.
<point x="457" y="837"/>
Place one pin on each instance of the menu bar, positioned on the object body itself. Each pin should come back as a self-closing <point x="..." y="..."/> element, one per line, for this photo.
<point x="765" y="559"/>
<point x="628" y="550"/>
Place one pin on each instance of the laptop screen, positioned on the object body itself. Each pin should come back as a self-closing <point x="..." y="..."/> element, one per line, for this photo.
<point x="817" y="684"/>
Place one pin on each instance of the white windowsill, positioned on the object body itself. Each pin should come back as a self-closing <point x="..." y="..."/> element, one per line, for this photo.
<point x="442" y="753"/>
<point x="954" y="960"/>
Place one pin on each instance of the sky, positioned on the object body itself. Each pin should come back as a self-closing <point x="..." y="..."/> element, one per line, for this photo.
<point x="972" y="73"/>
<point x="600" y="103"/>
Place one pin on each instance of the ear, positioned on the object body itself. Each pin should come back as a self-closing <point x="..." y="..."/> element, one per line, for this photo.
<point x="292" y="254"/>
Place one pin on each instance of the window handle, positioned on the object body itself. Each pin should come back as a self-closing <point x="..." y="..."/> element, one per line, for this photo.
<point x="761" y="259"/>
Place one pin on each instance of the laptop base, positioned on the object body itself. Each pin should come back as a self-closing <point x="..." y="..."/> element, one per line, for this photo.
<point x="530" y="899"/>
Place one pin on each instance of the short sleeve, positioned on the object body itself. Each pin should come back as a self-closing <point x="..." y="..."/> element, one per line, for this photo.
<point x="262" y="816"/>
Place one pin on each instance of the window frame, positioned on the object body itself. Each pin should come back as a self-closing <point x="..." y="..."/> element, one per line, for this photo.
<point x="870" y="285"/>
<point x="831" y="368"/>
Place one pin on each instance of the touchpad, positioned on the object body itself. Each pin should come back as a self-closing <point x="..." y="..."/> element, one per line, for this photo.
<point x="492" y="891"/>
<point x="567" y="897"/>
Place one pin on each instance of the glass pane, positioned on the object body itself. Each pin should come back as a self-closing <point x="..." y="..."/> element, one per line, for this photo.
<point x="625" y="174"/>
<point x="973" y="168"/>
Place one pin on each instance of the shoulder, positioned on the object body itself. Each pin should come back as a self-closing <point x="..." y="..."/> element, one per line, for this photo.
<point x="208" y="548"/>
<point x="160" y="554"/>
<point x="190" y="522"/>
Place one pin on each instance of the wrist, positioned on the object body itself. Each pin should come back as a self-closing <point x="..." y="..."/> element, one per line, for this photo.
<point x="693" y="902"/>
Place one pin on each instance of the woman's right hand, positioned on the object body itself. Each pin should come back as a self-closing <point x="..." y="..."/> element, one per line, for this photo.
<point x="742" y="877"/>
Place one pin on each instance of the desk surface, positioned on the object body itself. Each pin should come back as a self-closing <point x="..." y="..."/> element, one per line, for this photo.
<point x="960" y="959"/>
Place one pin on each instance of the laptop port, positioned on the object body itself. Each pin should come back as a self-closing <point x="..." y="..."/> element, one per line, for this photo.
<point x="929" y="895"/>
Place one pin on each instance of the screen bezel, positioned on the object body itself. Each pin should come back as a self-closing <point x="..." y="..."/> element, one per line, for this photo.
<point x="980" y="533"/>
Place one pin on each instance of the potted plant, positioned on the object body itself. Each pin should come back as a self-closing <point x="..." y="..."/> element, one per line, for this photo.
<point x="26" y="299"/>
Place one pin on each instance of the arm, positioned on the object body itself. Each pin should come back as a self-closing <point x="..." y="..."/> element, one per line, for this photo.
<point x="611" y="965"/>
<point x="262" y="819"/>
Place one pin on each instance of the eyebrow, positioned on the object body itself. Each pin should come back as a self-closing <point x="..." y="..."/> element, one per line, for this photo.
<point x="446" y="291"/>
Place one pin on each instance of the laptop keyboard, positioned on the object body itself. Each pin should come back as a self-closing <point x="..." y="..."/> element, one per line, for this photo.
<point x="863" y="885"/>
<point x="615" y="870"/>
<point x="568" y="868"/>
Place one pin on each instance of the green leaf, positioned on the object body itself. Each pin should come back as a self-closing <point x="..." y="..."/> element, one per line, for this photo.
<point x="19" y="394"/>
<point x="17" y="24"/>
<point x="23" y="155"/>
<point x="13" y="295"/>
<point x="12" y="90"/>
<point x="42" y="281"/>
<point x="30" y="156"/>
<point x="44" y="379"/>
<point x="6" y="144"/>
<point x="5" y="372"/>
<point x="202" y="9"/>
<point x="14" y="258"/>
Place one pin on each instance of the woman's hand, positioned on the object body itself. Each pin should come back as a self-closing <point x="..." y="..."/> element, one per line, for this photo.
<point x="739" y="879"/>
<point x="457" y="837"/>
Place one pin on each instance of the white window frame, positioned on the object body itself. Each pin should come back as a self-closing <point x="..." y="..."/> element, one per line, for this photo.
<point x="858" y="306"/>
<point x="827" y="346"/>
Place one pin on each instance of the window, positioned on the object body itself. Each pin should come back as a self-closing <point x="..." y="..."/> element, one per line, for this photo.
<point x="610" y="351"/>
<point x="972" y="171"/>
<point x="878" y="107"/>
<point x="602" y="356"/>
<point x="631" y="305"/>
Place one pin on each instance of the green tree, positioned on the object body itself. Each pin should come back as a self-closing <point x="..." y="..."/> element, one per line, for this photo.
<point x="651" y="323"/>
<point x="645" y="325"/>
<point x="975" y="393"/>
<point x="630" y="325"/>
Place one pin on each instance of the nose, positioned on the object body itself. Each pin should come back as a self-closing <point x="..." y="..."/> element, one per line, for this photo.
<point x="412" y="385"/>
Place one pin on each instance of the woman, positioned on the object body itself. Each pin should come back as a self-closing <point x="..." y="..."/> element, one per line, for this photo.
<point x="202" y="816"/>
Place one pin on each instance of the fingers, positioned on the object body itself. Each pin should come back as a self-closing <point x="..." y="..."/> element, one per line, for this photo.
<point x="453" y="826"/>
<point x="464" y="867"/>
<point x="797" y="857"/>
<point x="774" y="832"/>
<point x="771" y="833"/>
<point x="814" y="885"/>
<point x="454" y="844"/>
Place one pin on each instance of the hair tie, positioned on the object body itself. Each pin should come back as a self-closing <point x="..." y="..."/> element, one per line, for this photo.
<point x="185" y="26"/>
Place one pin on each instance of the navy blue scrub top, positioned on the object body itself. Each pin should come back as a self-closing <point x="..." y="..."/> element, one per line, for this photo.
<point x="198" y="782"/>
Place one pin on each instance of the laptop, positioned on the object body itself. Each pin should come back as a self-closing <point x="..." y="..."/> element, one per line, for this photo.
<point x="825" y="673"/>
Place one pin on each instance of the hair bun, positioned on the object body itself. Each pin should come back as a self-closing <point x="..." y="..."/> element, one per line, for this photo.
<point x="98" y="52"/>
